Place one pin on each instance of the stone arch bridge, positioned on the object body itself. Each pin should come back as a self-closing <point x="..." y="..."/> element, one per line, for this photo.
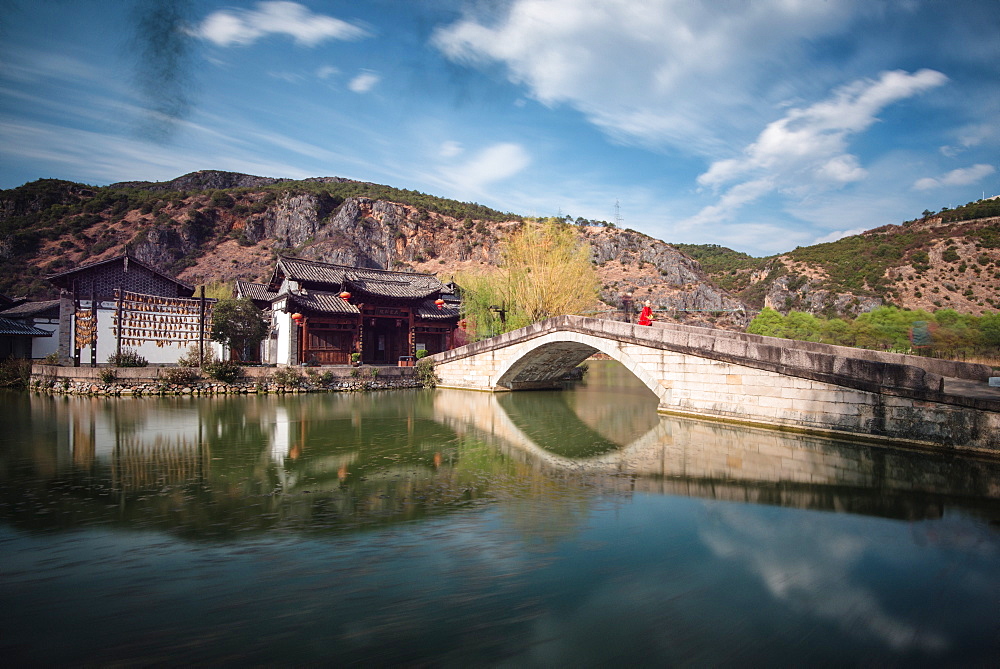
<point x="731" y="376"/>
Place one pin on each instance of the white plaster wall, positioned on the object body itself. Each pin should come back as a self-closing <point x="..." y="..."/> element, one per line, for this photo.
<point x="43" y="346"/>
<point x="284" y="348"/>
<point x="107" y="344"/>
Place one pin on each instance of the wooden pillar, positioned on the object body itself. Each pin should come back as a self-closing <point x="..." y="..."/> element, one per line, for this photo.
<point x="76" y="310"/>
<point x="118" y="310"/>
<point x="411" y="336"/>
<point x="201" y="327"/>
<point x="66" y="316"/>
<point x="93" y="316"/>
<point x="304" y="346"/>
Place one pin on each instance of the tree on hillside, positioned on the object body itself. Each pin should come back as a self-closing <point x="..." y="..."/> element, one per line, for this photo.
<point x="545" y="270"/>
<point x="238" y="325"/>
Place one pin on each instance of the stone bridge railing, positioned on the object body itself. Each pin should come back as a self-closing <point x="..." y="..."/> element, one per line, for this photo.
<point x="861" y="369"/>
<point x="725" y="375"/>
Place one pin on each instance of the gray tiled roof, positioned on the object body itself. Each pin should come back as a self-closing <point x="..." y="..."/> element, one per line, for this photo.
<point x="318" y="301"/>
<point x="429" y="311"/>
<point x="377" y="282"/>
<point x="255" y="291"/>
<point x="56" y="278"/>
<point x="9" y="327"/>
<point x="28" y="309"/>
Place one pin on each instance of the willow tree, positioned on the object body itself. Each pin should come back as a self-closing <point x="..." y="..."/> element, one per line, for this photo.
<point x="545" y="270"/>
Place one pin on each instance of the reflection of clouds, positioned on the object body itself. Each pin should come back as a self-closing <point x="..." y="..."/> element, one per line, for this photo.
<point x="810" y="567"/>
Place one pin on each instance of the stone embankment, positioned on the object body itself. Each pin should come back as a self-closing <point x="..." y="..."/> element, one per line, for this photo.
<point x="154" y="381"/>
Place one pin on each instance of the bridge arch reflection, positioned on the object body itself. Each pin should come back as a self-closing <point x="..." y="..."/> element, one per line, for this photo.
<point x="706" y="459"/>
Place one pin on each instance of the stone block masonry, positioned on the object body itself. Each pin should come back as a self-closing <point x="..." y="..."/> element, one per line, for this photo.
<point x="154" y="381"/>
<point x="763" y="381"/>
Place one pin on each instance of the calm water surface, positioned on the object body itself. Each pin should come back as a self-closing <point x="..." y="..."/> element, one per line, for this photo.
<point x="450" y="528"/>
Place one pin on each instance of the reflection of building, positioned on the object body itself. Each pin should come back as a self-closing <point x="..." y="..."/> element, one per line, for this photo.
<point x="142" y="463"/>
<point x="322" y="313"/>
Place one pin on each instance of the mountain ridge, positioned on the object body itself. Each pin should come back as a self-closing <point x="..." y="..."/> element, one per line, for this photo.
<point x="214" y="226"/>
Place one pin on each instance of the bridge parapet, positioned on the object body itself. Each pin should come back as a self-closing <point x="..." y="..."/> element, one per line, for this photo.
<point x="735" y="345"/>
<point x="748" y="378"/>
<point x="821" y="362"/>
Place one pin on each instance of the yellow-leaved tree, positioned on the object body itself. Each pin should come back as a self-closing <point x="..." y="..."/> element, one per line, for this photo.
<point x="545" y="270"/>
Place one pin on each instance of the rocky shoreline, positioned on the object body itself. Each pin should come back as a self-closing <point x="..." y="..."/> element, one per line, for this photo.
<point x="161" y="381"/>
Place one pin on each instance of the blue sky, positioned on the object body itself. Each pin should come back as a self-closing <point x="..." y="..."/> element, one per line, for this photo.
<point x="761" y="125"/>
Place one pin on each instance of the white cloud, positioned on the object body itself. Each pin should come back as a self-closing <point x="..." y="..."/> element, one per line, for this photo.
<point x="228" y="27"/>
<point x="289" y="77"/>
<point x="837" y="234"/>
<point x="960" y="177"/>
<point x="326" y="72"/>
<point x="364" y="82"/>
<point x="450" y="149"/>
<point x="729" y="203"/>
<point x="969" y="137"/>
<point x="815" y="138"/>
<point x="658" y="71"/>
<point x="805" y="152"/>
<point x="490" y="165"/>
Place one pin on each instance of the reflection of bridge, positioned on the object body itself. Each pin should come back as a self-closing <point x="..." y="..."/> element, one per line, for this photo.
<point x="736" y="463"/>
<point x="747" y="378"/>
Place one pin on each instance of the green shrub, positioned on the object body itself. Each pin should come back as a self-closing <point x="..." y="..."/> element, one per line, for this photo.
<point x="287" y="376"/>
<point x="422" y="353"/>
<point x="127" y="358"/>
<point x="425" y="373"/>
<point x="226" y="371"/>
<point x="108" y="375"/>
<point x="15" y="373"/>
<point x="181" y="375"/>
<point x="190" y="359"/>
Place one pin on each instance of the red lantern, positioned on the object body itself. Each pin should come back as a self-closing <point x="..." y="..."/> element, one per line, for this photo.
<point x="345" y="296"/>
<point x="297" y="317"/>
<point x="439" y="302"/>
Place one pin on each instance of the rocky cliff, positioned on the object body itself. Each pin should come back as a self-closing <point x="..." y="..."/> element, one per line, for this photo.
<point x="215" y="226"/>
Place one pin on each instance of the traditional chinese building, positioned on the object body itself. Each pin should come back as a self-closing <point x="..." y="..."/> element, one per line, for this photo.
<point x="122" y="272"/>
<point x="322" y="313"/>
<point x="27" y="329"/>
<point x="124" y="303"/>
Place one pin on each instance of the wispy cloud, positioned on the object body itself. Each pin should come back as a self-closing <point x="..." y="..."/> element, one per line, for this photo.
<point x="969" y="137"/>
<point x="805" y="152"/>
<point x="326" y="72"/>
<point x="490" y="165"/>
<point x="659" y="71"/>
<point x="450" y="149"/>
<point x="228" y="27"/>
<point x="838" y="234"/>
<point x="364" y="82"/>
<point x="960" y="177"/>
<point x="815" y="138"/>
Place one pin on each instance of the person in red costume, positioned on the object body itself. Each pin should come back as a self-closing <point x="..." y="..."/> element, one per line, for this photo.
<point x="646" y="315"/>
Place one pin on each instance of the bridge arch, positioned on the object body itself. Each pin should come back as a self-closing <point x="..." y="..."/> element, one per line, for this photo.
<point x="729" y="376"/>
<point x="543" y="361"/>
